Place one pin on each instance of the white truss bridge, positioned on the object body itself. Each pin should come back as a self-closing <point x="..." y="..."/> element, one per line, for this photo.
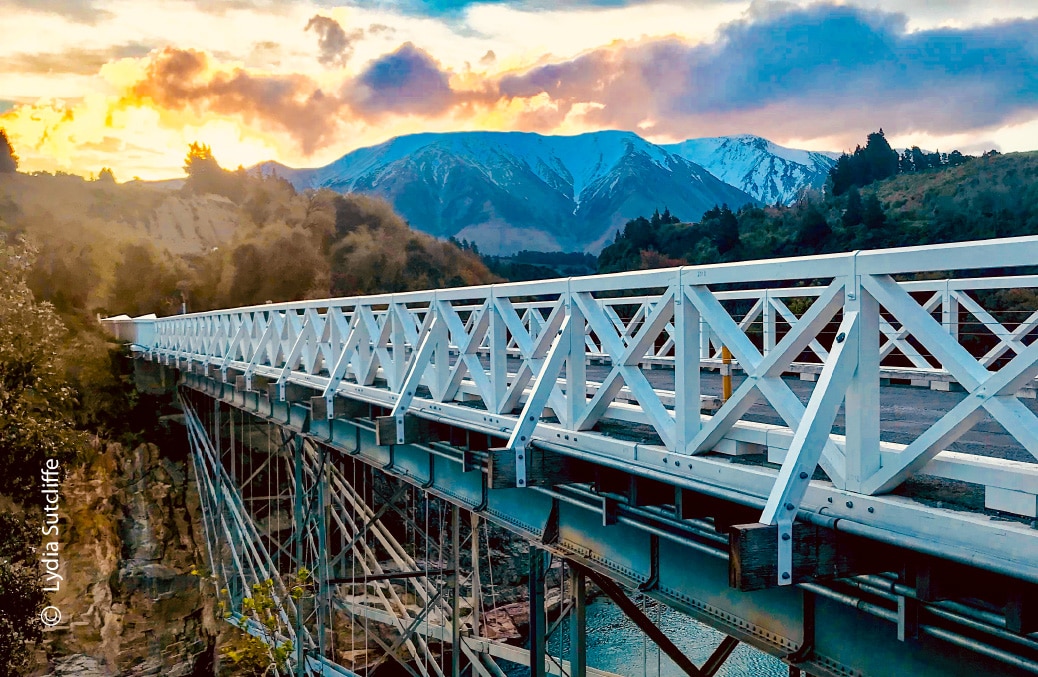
<point x="600" y="391"/>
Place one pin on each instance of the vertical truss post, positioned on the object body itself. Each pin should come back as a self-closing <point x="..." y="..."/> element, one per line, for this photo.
<point x="687" y="334"/>
<point x="576" y="371"/>
<point x="456" y="592"/>
<point x="441" y="373"/>
<point x="498" y="355"/>
<point x="768" y="319"/>
<point x="862" y="404"/>
<point x="538" y="617"/>
<point x="321" y="571"/>
<point x="726" y="373"/>
<point x="704" y="339"/>
<point x="950" y="310"/>
<point x="476" y="592"/>
<point x="427" y="347"/>
<point x="578" y="624"/>
<point x="218" y="446"/>
<point x="298" y="524"/>
<point x="398" y="367"/>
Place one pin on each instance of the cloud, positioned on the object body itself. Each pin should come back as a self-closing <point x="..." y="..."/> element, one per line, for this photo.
<point x="179" y="79"/>
<point x="75" y="61"/>
<point x="335" y="45"/>
<point x="454" y="7"/>
<point x="81" y="11"/>
<point x="809" y="73"/>
<point x="407" y="80"/>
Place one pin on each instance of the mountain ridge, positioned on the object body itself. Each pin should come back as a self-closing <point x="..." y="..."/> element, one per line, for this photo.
<point x="769" y="172"/>
<point x="508" y="191"/>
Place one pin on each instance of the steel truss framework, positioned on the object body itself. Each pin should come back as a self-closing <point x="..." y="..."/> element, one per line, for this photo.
<point x="504" y="361"/>
<point x="861" y="625"/>
<point x="276" y="503"/>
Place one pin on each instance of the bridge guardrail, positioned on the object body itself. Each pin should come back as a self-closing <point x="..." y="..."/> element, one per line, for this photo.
<point x="842" y="317"/>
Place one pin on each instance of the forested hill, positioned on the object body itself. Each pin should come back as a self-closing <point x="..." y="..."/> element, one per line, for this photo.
<point x="977" y="198"/>
<point x="215" y="239"/>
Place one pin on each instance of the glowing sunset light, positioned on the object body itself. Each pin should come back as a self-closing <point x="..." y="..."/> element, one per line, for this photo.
<point x="88" y="84"/>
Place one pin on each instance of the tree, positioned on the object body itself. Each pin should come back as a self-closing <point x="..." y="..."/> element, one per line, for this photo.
<point x="21" y="594"/>
<point x="200" y="161"/>
<point x="725" y="229"/>
<point x="875" y="162"/>
<point x="8" y="160"/>
<point x="36" y="424"/>
<point x="143" y="283"/>
<point x="106" y="176"/>
<point x="36" y="403"/>
<point x="874" y="220"/>
<point x="881" y="159"/>
<point x="853" y="214"/>
<point x="204" y="174"/>
<point x="814" y="229"/>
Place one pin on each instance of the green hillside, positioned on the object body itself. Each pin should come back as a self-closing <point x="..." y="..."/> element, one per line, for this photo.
<point x="984" y="197"/>
<point x="992" y="196"/>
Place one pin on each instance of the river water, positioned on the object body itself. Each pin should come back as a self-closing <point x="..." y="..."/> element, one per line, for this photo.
<point x="614" y="644"/>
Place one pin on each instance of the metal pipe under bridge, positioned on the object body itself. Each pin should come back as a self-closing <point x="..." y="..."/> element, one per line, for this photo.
<point x="863" y="503"/>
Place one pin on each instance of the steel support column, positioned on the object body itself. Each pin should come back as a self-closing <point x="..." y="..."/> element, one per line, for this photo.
<point x="578" y="624"/>
<point x="538" y="617"/>
<point x="456" y="592"/>
<point x="299" y="525"/>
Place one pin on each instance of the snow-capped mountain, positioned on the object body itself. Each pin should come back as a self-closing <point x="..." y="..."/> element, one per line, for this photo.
<point x="765" y="170"/>
<point x="508" y="191"/>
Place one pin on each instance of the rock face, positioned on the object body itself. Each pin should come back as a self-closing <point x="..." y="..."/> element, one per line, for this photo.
<point x="130" y="603"/>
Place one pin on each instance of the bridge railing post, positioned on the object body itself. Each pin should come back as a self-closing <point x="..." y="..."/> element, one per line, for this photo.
<point x="862" y="449"/>
<point x="688" y="330"/>
<point x="576" y="368"/>
<point x="950" y="310"/>
<point x="498" y="354"/>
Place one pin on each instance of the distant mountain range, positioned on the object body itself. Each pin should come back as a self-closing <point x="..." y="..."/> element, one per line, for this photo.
<point x="508" y="191"/>
<point x="767" y="171"/>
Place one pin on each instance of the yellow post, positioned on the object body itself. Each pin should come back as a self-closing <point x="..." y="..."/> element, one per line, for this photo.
<point x="726" y="373"/>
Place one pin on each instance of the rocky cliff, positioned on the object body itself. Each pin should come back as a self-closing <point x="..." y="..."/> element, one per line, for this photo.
<point x="130" y="603"/>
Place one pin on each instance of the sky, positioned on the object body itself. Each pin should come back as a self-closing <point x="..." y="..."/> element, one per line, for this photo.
<point x="129" y="84"/>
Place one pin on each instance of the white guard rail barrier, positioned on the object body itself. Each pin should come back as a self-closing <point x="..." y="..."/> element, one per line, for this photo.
<point x="842" y="318"/>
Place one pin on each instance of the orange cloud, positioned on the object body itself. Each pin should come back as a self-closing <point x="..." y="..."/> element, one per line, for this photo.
<point x="180" y="79"/>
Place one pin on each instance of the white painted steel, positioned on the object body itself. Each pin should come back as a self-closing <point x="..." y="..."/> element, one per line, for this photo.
<point x="491" y="346"/>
